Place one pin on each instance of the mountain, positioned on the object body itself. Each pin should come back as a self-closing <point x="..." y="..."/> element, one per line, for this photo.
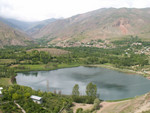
<point x="21" y="25"/>
<point x="28" y="27"/>
<point x="36" y="26"/>
<point x="106" y="23"/>
<point x="10" y="36"/>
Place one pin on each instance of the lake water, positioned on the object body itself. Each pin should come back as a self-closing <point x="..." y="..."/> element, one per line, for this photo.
<point x="111" y="85"/>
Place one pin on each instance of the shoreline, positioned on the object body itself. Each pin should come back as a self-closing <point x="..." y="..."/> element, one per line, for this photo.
<point x="128" y="71"/>
<point x="50" y="69"/>
<point x="98" y="65"/>
<point x="61" y="66"/>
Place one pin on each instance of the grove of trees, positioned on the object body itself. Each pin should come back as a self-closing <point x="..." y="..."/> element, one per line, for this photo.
<point x="91" y="93"/>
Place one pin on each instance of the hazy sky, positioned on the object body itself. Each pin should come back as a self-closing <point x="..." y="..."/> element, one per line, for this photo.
<point x="34" y="10"/>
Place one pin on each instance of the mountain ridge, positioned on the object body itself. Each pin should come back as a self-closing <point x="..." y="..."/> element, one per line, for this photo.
<point x="12" y="37"/>
<point x="27" y="27"/>
<point x="98" y="24"/>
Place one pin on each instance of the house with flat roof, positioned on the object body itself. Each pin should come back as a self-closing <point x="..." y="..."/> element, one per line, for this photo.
<point x="36" y="99"/>
<point x="1" y="94"/>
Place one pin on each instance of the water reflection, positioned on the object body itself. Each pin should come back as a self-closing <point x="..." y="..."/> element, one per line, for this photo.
<point x="111" y="84"/>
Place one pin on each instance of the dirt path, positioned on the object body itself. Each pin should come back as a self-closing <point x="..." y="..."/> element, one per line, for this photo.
<point x="23" y="111"/>
<point x="144" y="107"/>
<point x="105" y="105"/>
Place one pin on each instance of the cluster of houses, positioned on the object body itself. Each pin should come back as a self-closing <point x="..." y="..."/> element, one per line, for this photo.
<point x="36" y="99"/>
<point x="145" y="50"/>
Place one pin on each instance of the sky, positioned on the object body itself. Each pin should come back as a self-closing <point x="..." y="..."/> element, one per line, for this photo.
<point x="37" y="10"/>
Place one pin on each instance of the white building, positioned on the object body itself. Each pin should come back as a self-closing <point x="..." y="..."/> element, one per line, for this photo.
<point x="36" y="99"/>
<point x="1" y="94"/>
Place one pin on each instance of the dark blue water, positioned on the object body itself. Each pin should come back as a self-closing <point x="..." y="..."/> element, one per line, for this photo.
<point x="111" y="84"/>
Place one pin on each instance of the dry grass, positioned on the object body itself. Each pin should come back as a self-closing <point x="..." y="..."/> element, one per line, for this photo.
<point x="127" y="106"/>
<point x="135" y="105"/>
<point x="52" y="51"/>
<point x="1" y="111"/>
<point x="83" y="106"/>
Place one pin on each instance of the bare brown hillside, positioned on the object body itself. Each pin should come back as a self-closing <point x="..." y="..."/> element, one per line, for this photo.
<point x="98" y="24"/>
<point x="10" y="36"/>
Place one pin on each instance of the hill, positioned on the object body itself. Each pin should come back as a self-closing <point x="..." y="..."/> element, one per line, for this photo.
<point x="36" y="26"/>
<point x="139" y="104"/>
<point x="99" y="24"/>
<point x="28" y="27"/>
<point x="15" y="23"/>
<point x="10" y="36"/>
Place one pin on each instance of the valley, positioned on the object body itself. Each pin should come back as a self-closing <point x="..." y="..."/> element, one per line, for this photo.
<point x="114" y="40"/>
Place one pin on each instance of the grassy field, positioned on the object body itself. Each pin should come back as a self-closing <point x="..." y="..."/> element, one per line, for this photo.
<point x="7" y="61"/>
<point x="5" y="81"/>
<point x="42" y="67"/>
<point x="52" y="51"/>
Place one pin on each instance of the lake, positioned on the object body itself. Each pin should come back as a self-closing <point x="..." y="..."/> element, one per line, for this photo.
<point x="111" y="85"/>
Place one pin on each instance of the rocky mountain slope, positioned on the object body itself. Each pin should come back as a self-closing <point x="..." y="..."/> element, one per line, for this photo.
<point x="10" y="36"/>
<point x="99" y="24"/>
<point x="28" y="27"/>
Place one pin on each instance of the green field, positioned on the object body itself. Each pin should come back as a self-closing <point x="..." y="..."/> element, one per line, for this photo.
<point x="5" y="81"/>
<point x="43" y="67"/>
<point x="7" y="61"/>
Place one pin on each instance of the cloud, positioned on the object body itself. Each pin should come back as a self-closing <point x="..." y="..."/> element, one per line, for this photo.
<point x="33" y="10"/>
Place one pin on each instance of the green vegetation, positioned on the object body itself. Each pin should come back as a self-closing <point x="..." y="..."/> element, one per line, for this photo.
<point x="96" y="104"/>
<point x="124" y="56"/>
<point x="91" y="90"/>
<point x="91" y="94"/>
<point x="79" y="110"/>
<point x="5" y="81"/>
<point x="7" y="61"/>
<point x="52" y="103"/>
<point x="6" y="71"/>
<point x="10" y="108"/>
<point x="75" y="91"/>
<point x="127" y="56"/>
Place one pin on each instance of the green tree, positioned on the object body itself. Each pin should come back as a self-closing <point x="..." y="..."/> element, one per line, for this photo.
<point x="79" y="110"/>
<point x="75" y="91"/>
<point x="96" y="104"/>
<point x="16" y="96"/>
<point x="27" y="95"/>
<point x="91" y="90"/>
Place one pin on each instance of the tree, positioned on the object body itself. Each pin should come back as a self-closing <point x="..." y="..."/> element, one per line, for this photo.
<point x="75" y="91"/>
<point x="79" y="110"/>
<point x="16" y="96"/>
<point x="91" y="90"/>
<point x="96" y="104"/>
<point x="27" y="95"/>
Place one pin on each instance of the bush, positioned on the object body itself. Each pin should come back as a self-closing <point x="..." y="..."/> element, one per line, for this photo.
<point x="96" y="104"/>
<point x="79" y="110"/>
